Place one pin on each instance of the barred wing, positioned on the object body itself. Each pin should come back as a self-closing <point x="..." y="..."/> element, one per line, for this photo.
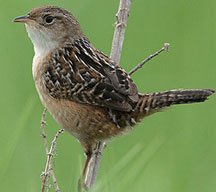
<point x="81" y="73"/>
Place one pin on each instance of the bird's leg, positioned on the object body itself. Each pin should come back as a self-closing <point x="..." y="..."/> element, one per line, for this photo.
<point x="93" y="151"/>
<point x="93" y="165"/>
<point x="88" y="158"/>
<point x="81" y="183"/>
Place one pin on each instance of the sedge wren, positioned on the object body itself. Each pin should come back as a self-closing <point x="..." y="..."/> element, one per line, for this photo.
<point x="82" y="88"/>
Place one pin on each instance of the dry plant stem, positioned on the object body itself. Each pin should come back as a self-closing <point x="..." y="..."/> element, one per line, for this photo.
<point x="120" y="25"/>
<point x="164" y="48"/>
<point x="43" y="134"/>
<point x="54" y="178"/>
<point x="48" y="169"/>
<point x="92" y="170"/>
<point x="48" y="163"/>
<point x="117" y="43"/>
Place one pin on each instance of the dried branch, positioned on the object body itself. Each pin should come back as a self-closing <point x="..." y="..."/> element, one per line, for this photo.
<point x="94" y="164"/>
<point x="117" y="43"/>
<point x="54" y="178"/>
<point x="120" y="25"/>
<point x="48" y="163"/>
<point x="164" y="48"/>
<point x="43" y="123"/>
<point x="48" y="167"/>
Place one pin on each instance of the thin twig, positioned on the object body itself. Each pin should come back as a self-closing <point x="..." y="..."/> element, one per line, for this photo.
<point x="92" y="170"/>
<point x="54" y="178"/>
<point x="120" y="25"/>
<point x="164" y="48"/>
<point x="48" y="168"/>
<point x="43" y="134"/>
<point x="48" y="163"/>
<point x="117" y="43"/>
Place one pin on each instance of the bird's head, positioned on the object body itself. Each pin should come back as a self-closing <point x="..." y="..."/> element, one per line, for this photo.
<point x="50" y="26"/>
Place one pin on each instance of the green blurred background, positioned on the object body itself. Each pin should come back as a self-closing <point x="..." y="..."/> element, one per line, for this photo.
<point x="172" y="151"/>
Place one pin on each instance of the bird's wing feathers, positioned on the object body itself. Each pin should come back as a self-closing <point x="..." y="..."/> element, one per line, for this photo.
<point x="83" y="74"/>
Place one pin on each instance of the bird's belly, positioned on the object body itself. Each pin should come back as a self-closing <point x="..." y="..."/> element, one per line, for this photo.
<point x="80" y="120"/>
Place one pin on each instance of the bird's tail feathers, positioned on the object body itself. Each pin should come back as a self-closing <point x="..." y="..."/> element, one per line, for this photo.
<point x="153" y="102"/>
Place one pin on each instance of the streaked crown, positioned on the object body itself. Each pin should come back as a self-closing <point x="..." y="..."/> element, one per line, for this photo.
<point x="50" y="26"/>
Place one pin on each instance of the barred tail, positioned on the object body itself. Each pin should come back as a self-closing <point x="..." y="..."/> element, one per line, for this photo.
<point x="153" y="102"/>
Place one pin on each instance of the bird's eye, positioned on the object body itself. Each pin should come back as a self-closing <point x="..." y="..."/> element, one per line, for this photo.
<point x="49" y="19"/>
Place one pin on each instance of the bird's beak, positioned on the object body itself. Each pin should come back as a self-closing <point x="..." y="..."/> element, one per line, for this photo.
<point x="22" y="19"/>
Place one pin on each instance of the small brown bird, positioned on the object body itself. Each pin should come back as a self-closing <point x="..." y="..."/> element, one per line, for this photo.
<point x="81" y="87"/>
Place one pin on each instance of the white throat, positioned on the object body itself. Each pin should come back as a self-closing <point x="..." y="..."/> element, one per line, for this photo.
<point x="43" y="45"/>
<point x="42" y="41"/>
